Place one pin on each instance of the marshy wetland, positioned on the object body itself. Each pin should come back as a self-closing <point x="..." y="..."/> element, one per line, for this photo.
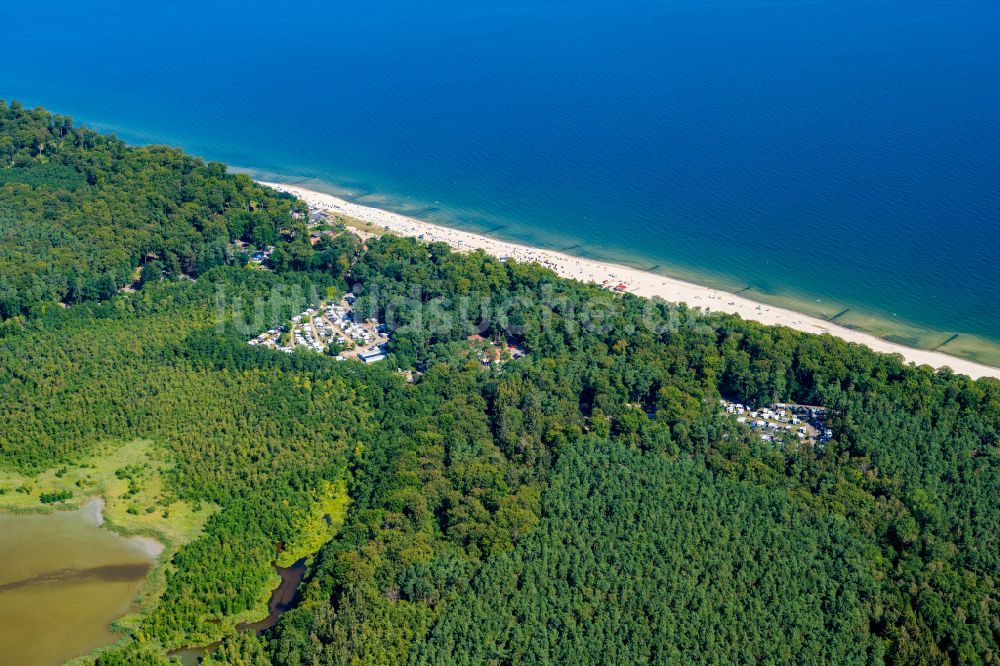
<point x="67" y="570"/>
<point x="85" y="547"/>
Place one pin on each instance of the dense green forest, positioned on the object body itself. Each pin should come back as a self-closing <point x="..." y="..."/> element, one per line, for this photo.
<point x="587" y="503"/>
<point x="81" y="214"/>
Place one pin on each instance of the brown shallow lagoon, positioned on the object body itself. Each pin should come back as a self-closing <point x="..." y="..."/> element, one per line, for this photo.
<point x="63" y="581"/>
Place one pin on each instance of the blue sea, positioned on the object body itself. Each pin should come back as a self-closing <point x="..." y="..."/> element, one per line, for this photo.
<point x="828" y="155"/>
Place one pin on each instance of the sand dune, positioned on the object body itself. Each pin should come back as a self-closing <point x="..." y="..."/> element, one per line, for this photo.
<point x="638" y="282"/>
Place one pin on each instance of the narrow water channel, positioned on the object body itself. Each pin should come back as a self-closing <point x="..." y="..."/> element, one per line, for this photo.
<point x="283" y="598"/>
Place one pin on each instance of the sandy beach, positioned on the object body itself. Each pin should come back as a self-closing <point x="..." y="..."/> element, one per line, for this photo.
<point x="638" y="282"/>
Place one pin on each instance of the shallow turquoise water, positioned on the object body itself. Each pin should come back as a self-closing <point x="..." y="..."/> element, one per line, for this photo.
<point x="841" y="154"/>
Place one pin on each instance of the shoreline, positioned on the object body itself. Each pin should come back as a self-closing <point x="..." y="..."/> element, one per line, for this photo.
<point x="150" y="546"/>
<point x="639" y="282"/>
